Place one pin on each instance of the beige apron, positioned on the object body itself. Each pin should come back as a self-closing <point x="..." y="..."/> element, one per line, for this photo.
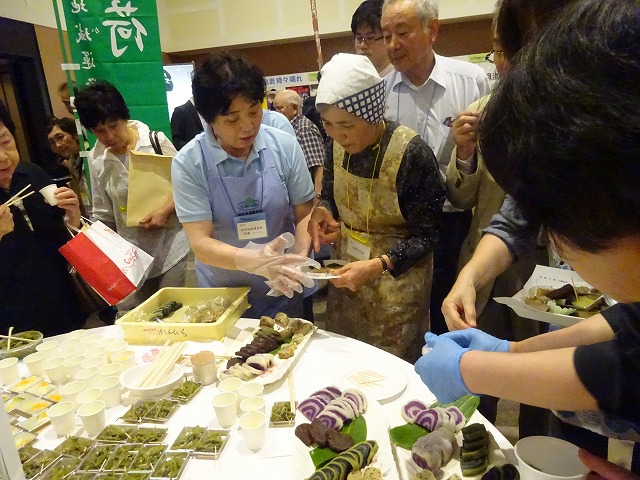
<point x="388" y="313"/>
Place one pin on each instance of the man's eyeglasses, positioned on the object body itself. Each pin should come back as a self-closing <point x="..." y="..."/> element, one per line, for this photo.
<point x="359" y="40"/>
<point x="493" y="54"/>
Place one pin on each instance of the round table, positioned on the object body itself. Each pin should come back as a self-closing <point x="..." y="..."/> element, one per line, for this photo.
<point x="325" y="360"/>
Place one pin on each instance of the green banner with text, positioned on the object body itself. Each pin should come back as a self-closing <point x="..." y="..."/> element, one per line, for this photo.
<point x="119" y="42"/>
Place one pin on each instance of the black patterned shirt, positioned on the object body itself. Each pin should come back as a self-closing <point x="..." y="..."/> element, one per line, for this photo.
<point x="310" y="139"/>
<point x="420" y="190"/>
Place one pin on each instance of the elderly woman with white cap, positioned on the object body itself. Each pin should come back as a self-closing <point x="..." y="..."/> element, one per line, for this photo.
<point x="381" y="201"/>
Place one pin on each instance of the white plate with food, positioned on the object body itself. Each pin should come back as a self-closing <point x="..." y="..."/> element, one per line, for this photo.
<point x="280" y="366"/>
<point x="381" y="382"/>
<point x="408" y="468"/>
<point x="323" y="273"/>
<point x="377" y="429"/>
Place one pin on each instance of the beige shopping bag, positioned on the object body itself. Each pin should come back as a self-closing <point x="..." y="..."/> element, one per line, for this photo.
<point x="149" y="184"/>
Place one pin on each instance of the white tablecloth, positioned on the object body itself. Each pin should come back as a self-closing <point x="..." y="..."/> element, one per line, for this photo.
<point x="325" y="361"/>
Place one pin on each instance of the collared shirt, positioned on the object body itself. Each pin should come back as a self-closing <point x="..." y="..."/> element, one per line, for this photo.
<point x="109" y="189"/>
<point x="430" y="109"/>
<point x="189" y="171"/>
<point x="310" y="140"/>
<point x="277" y="120"/>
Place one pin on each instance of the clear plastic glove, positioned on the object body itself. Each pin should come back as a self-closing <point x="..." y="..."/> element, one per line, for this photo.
<point x="475" y="339"/>
<point x="439" y="368"/>
<point x="279" y="268"/>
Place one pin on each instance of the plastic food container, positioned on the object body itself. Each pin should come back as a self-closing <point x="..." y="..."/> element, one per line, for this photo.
<point x="173" y="328"/>
<point x="24" y="348"/>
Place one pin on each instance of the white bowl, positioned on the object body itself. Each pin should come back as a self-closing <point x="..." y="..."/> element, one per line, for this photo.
<point x="131" y="378"/>
<point x="548" y="458"/>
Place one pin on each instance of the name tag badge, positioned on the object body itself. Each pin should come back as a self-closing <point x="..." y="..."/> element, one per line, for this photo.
<point x="251" y="227"/>
<point x="359" y="246"/>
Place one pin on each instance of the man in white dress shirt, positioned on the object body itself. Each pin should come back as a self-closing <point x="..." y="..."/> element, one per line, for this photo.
<point x="425" y="92"/>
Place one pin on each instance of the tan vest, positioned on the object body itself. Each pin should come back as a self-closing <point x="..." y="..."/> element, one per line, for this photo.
<point x="389" y="313"/>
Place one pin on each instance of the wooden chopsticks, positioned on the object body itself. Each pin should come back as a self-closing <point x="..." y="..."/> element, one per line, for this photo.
<point x="17" y="198"/>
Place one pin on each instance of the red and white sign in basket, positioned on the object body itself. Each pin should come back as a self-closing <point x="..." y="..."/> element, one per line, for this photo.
<point x="112" y="266"/>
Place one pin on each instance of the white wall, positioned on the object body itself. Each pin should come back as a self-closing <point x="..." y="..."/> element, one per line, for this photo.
<point x="198" y="24"/>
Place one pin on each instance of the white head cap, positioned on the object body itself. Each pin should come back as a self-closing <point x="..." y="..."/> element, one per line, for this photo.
<point x="351" y="83"/>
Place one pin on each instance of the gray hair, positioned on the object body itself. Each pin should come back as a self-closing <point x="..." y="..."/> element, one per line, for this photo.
<point x="427" y="9"/>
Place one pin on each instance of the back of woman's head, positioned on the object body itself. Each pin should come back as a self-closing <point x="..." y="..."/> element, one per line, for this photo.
<point x="519" y="21"/>
<point x="219" y="79"/>
<point x="561" y="132"/>
<point x="100" y="102"/>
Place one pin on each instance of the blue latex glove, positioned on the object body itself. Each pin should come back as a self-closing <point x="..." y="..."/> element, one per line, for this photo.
<point x="439" y="368"/>
<point x="475" y="339"/>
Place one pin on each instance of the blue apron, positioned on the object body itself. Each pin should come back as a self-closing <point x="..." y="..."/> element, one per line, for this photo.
<point x="228" y="197"/>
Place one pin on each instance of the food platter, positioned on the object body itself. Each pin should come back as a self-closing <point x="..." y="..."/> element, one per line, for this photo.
<point x="377" y="429"/>
<point x="381" y="382"/>
<point x="407" y="467"/>
<point x="280" y="367"/>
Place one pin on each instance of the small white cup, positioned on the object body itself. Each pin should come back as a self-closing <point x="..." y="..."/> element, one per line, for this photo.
<point x="224" y="405"/>
<point x="105" y="342"/>
<point x="76" y="334"/>
<point x="47" y="193"/>
<point x="253" y="426"/>
<point x="50" y="346"/>
<point x="70" y="391"/>
<point x="9" y="371"/>
<point x="70" y="344"/>
<point x="35" y="363"/>
<point x="88" y="396"/>
<point x="62" y="418"/>
<point x="56" y="371"/>
<point x="93" y="417"/>
<point x="94" y="362"/>
<point x="110" y="370"/>
<point x="548" y="458"/>
<point x="250" y="389"/>
<point x="111" y="391"/>
<point x="116" y="346"/>
<point x="88" y="376"/>
<point x="231" y="385"/>
<point x="252" y="404"/>
<point x="96" y="352"/>
<point x="73" y="364"/>
<point x="126" y="358"/>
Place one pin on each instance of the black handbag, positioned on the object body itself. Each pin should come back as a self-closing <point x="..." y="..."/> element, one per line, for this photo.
<point x="88" y="299"/>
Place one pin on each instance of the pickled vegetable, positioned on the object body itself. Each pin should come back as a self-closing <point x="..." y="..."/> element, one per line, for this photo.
<point x="188" y="438"/>
<point x="148" y="457"/>
<point x="186" y="391"/>
<point x="281" y="412"/>
<point x="75" y="446"/>
<point x="170" y="465"/>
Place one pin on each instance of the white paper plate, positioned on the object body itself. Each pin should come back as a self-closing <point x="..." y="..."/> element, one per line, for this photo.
<point x="377" y="429"/>
<point x="381" y="382"/>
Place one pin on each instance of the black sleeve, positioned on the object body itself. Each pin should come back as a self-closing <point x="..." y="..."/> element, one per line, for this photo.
<point x="178" y="123"/>
<point x="420" y="196"/>
<point x="609" y="370"/>
<point x="327" y="198"/>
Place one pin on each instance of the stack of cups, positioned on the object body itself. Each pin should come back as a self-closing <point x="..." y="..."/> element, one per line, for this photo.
<point x="253" y="423"/>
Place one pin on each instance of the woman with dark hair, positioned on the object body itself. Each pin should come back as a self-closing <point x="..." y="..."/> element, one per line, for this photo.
<point x="37" y="293"/>
<point x="104" y="112"/>
<point x="241" y="182"/>
<point x="566" y="147"/>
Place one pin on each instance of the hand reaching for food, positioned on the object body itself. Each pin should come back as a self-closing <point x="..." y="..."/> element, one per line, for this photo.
<point x="355" y="274"/>
<point x="322" y="228"/>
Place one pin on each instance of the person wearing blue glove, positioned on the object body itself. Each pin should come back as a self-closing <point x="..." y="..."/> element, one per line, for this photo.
<point x="439" y="368"/>
<point x="475" y="339"/>
<point x="534" y="136"/>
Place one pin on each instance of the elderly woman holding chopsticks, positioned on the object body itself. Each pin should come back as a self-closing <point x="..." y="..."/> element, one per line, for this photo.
<point x="36" y="291"/>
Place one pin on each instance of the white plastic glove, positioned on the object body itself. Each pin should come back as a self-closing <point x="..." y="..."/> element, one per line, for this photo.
<point x="279" y="268"/>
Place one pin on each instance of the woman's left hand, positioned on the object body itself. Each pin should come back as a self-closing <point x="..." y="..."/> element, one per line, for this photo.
<point x="68" y="200"/>
<point x="355" y="274"/>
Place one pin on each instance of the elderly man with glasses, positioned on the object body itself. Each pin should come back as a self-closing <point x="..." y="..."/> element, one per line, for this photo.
<point x="425" y="92"/>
